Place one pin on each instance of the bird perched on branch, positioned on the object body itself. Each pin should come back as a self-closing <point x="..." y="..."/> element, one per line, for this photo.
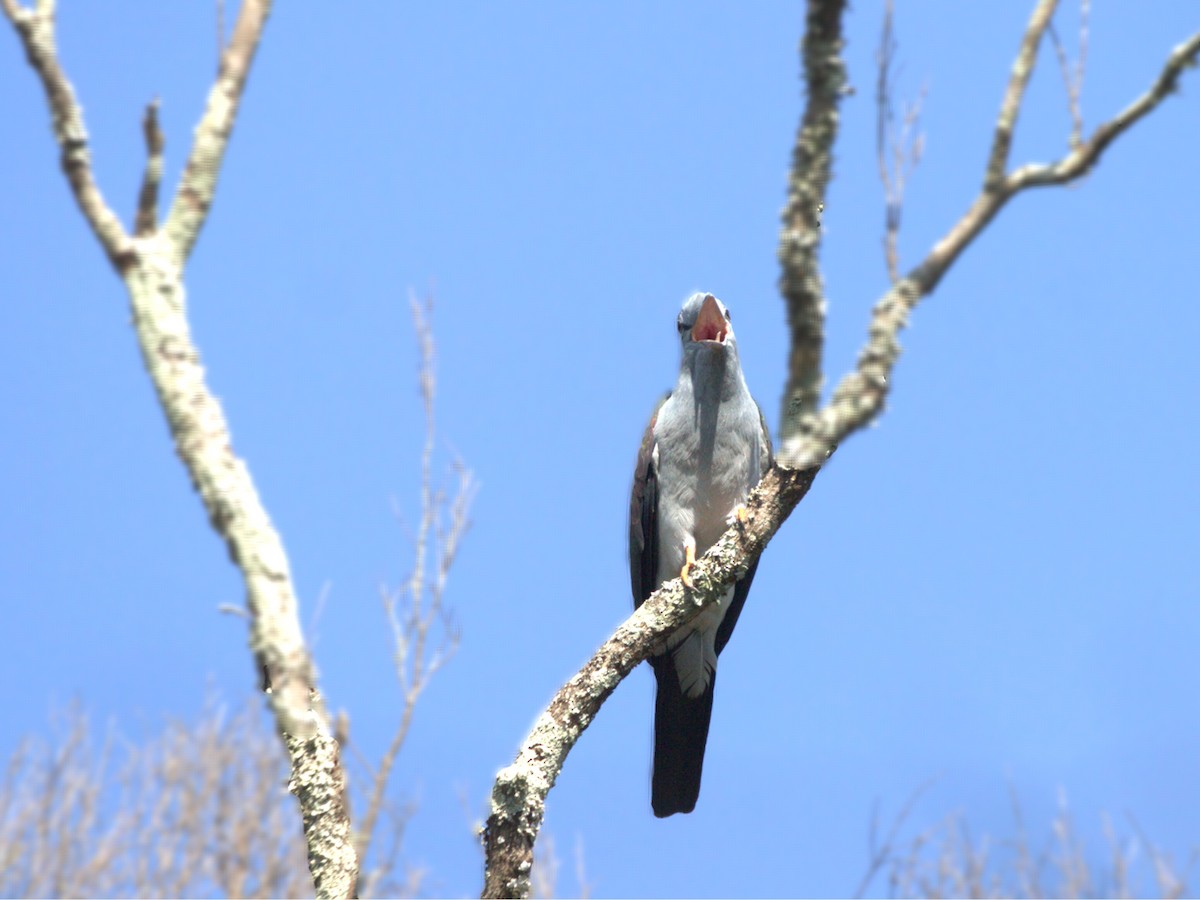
<point x="706" y="447"/>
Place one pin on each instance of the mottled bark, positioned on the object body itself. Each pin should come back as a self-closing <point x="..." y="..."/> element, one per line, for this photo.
<point x="800" y="237"/>
<point x="860" y="396"/>
<point x="809" y="435"/>
<point x="151" y="263"/>
<point x="519" y="794"/>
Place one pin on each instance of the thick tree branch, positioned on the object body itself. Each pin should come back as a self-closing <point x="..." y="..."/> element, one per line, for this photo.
<point x="518" y="797"/>
<point x="204" y="445"/>
<point x="860" y="395"/>
<point x="35" y="27"/>
<point x="151" y="264"/>
<point x="199" y="182"/>
<point x="800" y="237"/>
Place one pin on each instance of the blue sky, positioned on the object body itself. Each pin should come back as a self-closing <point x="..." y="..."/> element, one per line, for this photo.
<point x="998" y="583"/>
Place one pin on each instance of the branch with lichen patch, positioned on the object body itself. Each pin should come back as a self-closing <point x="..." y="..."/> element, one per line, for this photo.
<point x="800" y="237"/>
<point x="151" y="264"/>
<point x="199" y="183"/>
<point x="519" y="793"/>
<point x="861" y="394"/>
<point x="35" y="28"/>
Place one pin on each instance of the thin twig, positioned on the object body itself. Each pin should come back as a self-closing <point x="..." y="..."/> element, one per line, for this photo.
<point x="860" y="395"/>
<point x="146" y="220"/>
<point x="1073" y="76"/>
<point x="881" y="853"/>
<point x="435" y="547"/>
<point x="897" y="150"/>
<point x="1082" y="158"/>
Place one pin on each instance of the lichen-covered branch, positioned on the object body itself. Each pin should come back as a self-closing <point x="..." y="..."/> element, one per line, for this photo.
<point x="519" y="793"/>
<point x="800" y="236"/>
<point x="151" y="263"/>
<point x="199" y="183"/>
<point x="520" y="790"/>
<point x="35" y="27"/>
<point x="860" y="395"/>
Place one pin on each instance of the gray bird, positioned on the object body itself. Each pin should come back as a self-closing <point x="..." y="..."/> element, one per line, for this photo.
<point x="706" y="447"/>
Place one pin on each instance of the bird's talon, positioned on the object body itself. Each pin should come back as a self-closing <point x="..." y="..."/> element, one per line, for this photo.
<point x="685" y="574"/>
<point x="741" y="515"/>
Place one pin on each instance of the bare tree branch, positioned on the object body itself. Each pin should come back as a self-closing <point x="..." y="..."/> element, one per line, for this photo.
<point x="1082" y="158"/>
<point x="198" y="809"/>
<point x="1022" y="71"/>
<point x="151" y="265"/>
<point x="35" y="27"/>
<point x="860" y="395"/>
<point x="1073" y="76"/>
<point x="800" y="237"/>
<point x="199" y="182"/>
<point x="518" y="796"/>
<point x="880" y="853"/>
<point x="146" y="220"/>
<point x="419" y="605"/>
<point x="897" y="149"/>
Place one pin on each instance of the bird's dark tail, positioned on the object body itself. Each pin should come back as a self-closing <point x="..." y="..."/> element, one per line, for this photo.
<point x="680" y="733"/>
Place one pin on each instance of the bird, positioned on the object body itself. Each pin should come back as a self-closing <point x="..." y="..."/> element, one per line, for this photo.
<point x="706" y="447"/>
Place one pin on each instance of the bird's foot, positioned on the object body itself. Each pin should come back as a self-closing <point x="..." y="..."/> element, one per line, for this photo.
<point x="740" y="516"/>
<point x="689" y="560"/>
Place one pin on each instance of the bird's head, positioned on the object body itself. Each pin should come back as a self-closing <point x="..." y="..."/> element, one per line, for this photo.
<point x="705" y="326"/>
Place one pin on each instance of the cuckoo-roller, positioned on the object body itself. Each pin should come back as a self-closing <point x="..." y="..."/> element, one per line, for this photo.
<point x="706" y="447"/>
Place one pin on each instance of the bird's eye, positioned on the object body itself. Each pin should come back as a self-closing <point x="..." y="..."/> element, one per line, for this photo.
<point x="728" y="316"/>
<point x="680" y="324"/>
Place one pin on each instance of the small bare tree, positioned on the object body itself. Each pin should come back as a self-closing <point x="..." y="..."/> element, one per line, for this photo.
<point x="199" y="809"/>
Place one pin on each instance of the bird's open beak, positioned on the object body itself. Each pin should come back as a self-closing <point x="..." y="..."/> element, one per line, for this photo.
<point x="710" y="324"/>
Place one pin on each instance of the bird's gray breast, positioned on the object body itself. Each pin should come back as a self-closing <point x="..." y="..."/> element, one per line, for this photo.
<point x="708" y="461"/>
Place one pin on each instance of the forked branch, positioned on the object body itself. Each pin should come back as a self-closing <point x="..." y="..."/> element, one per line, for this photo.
<point x="424" y="634"/>
<point x="151" y="264"/>
<point x="35" y="28"/>
<point x="860" y="396"/>
<point x="519" y="794"/>
<point x="520" y="790"/>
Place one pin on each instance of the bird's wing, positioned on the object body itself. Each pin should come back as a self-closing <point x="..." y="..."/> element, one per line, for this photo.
<point x="643" y="517"/>
<point x="725" y="629"/>
<point x="766" y="454"/>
